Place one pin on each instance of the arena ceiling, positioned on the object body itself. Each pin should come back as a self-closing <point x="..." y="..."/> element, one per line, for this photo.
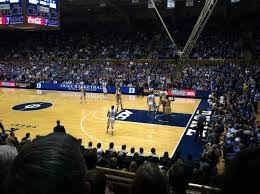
<point x="116" y="9"/>
<point x="244" y="4"/>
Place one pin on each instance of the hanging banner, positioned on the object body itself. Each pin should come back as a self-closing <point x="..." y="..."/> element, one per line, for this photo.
<point x="189" y="3"/>
<point x="150" y="4"/>
<point x="170" y="4"/>
<point x="135" y="1"/>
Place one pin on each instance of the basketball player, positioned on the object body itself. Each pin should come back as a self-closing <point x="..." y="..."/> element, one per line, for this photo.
<point x="111" y="114"/>
<point x="104" y="86"/>
<point x="163" y="94"/>
<point x="117" y="85"/>
<point x="119" y="99"/>
<point x="151" y="102"/>
<point x="82" y="94"/>
<point x="168" y="110"/>
<point x="40" y="92"/>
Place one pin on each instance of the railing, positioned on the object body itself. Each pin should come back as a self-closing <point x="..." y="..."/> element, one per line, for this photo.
<point x="122" y="182"/>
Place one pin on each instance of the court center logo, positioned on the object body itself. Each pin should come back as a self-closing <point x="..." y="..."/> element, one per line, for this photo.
<point x="32" y="106"/>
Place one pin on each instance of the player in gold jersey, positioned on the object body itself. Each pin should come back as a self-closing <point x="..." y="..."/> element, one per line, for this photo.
<point x="163" y="95"/>
<point x="82" y="94"/>
<point x="119" y="98"/>
<point x="168" y="110"/>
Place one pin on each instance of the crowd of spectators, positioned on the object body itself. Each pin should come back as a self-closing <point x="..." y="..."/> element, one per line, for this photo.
<point x="233" y="127"/>
<point x="214" y="44"/>
<point x="58" y="163"/>
<point x="119" y="42"/>
<point x="127" y="74"/>
<point x="161" y="75"/>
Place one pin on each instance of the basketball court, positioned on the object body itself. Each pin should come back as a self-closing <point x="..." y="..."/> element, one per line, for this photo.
<point x="36" y="112"/>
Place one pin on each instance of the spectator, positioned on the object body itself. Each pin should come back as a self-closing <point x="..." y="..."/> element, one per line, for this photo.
<point x="141" y="152"/>
<point x="97" y="180"/>
<point x="166" y="161"/>
<point x="82" y="148"/>
<point x="99" y="152"/>
<point x="133" y="167"/>
<point x="7" y="156"/>
<point x="109" y="188"/>
<point x="132" y="152"/>
<point x="123" y="151"/>
<point x="113" y="163"/>
<point x="189" y="162"/>
<point x="12" y="140"/>
<point x="55" y="161"/>
<point x="90" y="156"/>
<point x="149" y="179"/>
<point x="153" y="153"/>
<point x="26" y="139"/>
<point x="178" y="179"/>
<point x="59" y="128"/>
<point x="242" y="175"/>
<point x="111" y="147"/>
<point x="89" y="146"/>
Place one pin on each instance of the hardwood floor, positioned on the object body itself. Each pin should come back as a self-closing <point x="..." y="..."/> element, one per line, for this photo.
<point x="88" y="121"/>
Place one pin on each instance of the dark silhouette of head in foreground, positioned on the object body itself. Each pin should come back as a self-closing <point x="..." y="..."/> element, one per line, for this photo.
<point x="7" y="156"/>
<point x="150" y="179"/>
<point x="49" y="165"/>
<point x="242" y="175"/>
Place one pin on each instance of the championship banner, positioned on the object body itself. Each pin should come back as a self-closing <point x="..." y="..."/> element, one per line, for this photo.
<point x="170" y="4"/>
<point x="189" y="3"/>
<point x="150" y="4"/>
<point x="182" y="93"/>
<point x="7" y="84"/>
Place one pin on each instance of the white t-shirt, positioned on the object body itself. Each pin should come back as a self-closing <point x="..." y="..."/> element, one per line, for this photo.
<point x="112" y="114"/>
<point x="150" y="99"/>
<point x="104" y="85"/>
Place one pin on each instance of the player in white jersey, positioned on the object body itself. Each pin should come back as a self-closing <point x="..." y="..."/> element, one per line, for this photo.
<point x="151" y="102"/>
<point x="111" y="114"/>
<point x="104" y="87"/>
<point x="82" y="94"/>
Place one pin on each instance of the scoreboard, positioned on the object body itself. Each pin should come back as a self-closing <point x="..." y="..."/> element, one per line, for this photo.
<point x="30" y="13"/>
<point x="11" y="12"/>
<point x="43" y="12"/>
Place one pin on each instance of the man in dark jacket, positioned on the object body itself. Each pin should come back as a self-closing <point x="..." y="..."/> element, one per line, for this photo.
<point x="200" y="126"/>
<point x="59" y="128"/>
